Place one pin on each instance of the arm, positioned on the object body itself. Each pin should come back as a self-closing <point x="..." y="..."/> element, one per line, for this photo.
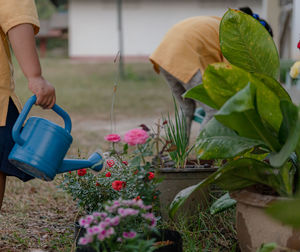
<point x="23" y="43"/>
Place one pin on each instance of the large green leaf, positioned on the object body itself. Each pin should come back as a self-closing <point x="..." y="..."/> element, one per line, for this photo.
<point x="239" y="113"/>
<point x="216" y="141"/>
<point x="286" y="211"/>
<point x="222" y="81"/>
<point x="246" y="43"/>
<point x="273" y="85"/>
<point x="289" y="133"/>
<point x="235" y="175"/>
<point x="199" y="93"/>
<point x="268" y="100"/>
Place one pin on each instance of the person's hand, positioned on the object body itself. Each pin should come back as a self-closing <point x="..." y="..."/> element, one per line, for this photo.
<point x="44" y="91"/>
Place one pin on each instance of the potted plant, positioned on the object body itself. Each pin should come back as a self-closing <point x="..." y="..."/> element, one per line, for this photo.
<point x="256" y="129"/>
<point x="179" y="171"/>
<point x="125" y="225"/>
<point x="131" y="180"/>
<point x="125" y="173"/>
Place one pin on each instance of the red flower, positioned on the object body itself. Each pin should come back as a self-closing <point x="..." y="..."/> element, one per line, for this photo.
<point x="298" y="46"/>
<point x="118" y="185"/>
<point x="81" y="172"/>
<point x="110" y="163"/>
<point x="125" y="162"/>
<point x="108" y="175"/>
<point x="70" y="172"/>
<point x="97" y="184"/>
<point x="137" y="198"/>
<point x="135" y="172"/>
<point x="151" y="175"/>
<point x="154" y="197"/>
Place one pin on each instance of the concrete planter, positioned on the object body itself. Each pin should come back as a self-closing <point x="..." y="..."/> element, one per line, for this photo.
<point x="254" y="227"/>
<point x="176" y="180"/>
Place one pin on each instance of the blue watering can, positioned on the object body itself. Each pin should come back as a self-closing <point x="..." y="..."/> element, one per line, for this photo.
<point x="40" y="147"/>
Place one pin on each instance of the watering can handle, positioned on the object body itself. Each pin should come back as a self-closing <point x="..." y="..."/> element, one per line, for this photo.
<point x="18" y="124"/>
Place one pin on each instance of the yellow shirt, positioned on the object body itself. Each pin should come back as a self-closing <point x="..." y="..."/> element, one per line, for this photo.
<point x="190" y="45"/>
<point x="12" y="13"/>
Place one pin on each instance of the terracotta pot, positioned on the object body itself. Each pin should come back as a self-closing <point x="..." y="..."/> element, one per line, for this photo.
<point x="254" y="227"/>
<point x="175" y="180"/>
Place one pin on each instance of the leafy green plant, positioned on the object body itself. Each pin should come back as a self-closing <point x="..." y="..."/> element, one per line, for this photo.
<point x="124" y="225"/>
<point x="126" y="174"/>
<point x="176" y="135"/>
<point x="257" y="127"/>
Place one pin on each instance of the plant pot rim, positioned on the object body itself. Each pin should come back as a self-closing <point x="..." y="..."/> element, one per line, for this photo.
<point x="187" y="169"/>
<point x="255" y="199"/>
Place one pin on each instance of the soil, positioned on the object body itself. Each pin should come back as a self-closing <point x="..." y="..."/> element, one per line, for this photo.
<point x="263" y="189"/>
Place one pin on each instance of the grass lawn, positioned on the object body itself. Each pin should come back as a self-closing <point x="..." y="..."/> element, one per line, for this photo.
<point x="36" y="214"/>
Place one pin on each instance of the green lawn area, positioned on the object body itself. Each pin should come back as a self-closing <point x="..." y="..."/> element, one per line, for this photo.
<point x="87" y="88"/>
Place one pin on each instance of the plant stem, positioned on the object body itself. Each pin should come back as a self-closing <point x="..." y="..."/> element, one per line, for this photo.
<point x="140" y="150"/>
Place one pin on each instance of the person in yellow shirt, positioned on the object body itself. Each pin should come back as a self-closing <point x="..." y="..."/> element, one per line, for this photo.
<point x="184" y="53"/>
<point x="18" y="25"/>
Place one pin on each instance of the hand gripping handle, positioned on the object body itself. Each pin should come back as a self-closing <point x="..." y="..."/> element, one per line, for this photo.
<point x="21" y="119"/>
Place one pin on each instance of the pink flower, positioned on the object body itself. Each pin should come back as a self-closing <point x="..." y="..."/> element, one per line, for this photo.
<point x="115" y="221"/>
<point x="114" y="138"/>
<point x="151" y="218"/>
<point x="84" y="241"/>
<point x="127" y="212"/>
<point x="110" y="231"/>
<point x="129" y="235"/>
<point x="136" y="136"/>
<point x="103" y="224"/>
<point x="93" y="230"/>
<point x="85" y="222"/>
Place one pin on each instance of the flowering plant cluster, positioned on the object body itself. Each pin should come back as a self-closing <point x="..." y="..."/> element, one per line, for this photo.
<point x="126" y="174"/>
<point x="124" y="225"/>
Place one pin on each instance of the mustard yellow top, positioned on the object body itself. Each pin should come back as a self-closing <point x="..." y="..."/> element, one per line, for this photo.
<point x="12" y="13"/>
<point x="188" y="46"/>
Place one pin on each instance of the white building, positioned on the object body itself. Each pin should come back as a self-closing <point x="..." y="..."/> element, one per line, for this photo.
<point x="93" y="24"/>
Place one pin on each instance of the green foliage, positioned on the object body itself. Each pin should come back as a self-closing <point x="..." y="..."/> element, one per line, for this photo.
<point x="247" y="44"/>
<point x="214" y="139"/>
<point x="267" y="247"/>
<point x="205" y="232"/>
<point x="176" y="136"/>
<point x="286" y="211"/>
<point x="92" y="190"/>
<point x="120" y="217"/>
<point x="256" y="115"/>
<point x="222" y="204"/>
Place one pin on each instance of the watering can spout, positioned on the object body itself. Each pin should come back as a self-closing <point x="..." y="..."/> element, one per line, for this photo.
<point x="95" y="162"/>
